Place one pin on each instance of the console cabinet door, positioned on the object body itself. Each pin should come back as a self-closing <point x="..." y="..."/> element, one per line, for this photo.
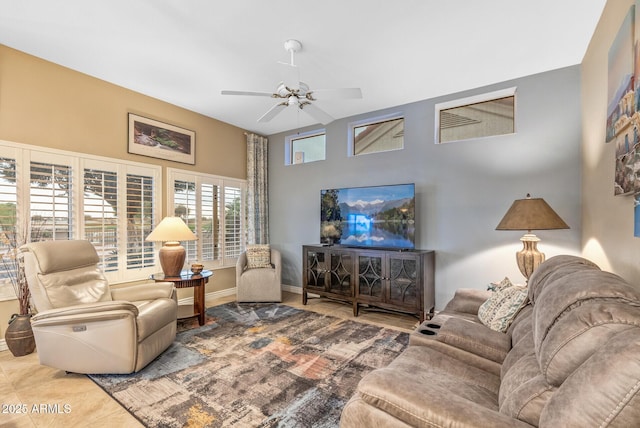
<point x="370" y="282"/>
<point x="315" y="270"/>
<point x="340" y="274"/>
<point x="404" y="275"/>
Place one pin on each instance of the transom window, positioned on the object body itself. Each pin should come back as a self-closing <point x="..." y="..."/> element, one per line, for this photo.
<point x="480" y="116"/>
<point x="373" y="135"/>
<point x="305" y="147"/>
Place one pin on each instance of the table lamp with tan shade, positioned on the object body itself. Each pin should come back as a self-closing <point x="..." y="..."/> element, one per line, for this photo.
<point x="530" y="214"/>
<point x="171" y="230"/>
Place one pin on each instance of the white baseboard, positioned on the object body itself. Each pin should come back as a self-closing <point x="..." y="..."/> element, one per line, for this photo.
<point x="292" y="289"/>
<point x="231" y="291"/>
<point x="3" y="345"/>
<point x="213" y="295"/>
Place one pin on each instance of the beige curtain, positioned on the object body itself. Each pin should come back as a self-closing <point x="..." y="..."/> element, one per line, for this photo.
<point x="257" y="190"/>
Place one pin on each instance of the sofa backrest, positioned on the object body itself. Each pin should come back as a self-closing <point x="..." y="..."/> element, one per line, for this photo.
<point x="579" y="365"/>
<point x="577" y="314"/>
<point x="548" y="271"/>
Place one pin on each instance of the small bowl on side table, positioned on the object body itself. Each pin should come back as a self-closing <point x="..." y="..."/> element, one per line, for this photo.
<point x="196" y="268"/>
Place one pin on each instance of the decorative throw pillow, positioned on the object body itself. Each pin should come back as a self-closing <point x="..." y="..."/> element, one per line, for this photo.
<point x="258" y="256"/>
<point x="496" y="286"/>
<point x="501" y="308"/>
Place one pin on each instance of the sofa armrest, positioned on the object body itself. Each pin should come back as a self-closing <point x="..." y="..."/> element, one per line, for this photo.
<point x="146" y="291"/>
<point x="92" y="312"/>
<point x="241" y="265"/>
<point x="467" y="300"/>
<point x="475" y="338"/>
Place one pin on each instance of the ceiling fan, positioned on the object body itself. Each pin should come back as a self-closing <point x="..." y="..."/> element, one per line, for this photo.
<point x="301" y="96"/>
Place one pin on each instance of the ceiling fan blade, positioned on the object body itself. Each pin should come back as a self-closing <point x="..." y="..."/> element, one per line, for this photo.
<point x="316" y="113"/>
<point x="272" y="112"/>
<point x="329" y="94"/>
<point x="257" y="94"/>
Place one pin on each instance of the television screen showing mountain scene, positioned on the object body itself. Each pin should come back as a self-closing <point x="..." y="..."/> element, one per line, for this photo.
<point x="380" y="216"/>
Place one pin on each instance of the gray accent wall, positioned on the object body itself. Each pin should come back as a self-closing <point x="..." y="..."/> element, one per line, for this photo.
<point x="462" y="188"/>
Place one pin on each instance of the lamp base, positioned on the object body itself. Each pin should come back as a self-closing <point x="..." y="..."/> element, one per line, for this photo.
<point x="529" y="258"/>
<point x="172" y="256"/>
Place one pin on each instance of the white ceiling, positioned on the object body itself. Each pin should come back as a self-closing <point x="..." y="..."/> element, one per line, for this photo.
<point x="186" y="51"/>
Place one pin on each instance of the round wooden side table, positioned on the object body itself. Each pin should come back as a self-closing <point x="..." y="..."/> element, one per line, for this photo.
<point x="188" y="279"/>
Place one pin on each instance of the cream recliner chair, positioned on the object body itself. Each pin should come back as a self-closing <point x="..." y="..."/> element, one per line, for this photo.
<point x="85" y="326"/>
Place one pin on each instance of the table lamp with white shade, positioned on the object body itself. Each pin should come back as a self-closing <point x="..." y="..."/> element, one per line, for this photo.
<point x="171" y="230"/>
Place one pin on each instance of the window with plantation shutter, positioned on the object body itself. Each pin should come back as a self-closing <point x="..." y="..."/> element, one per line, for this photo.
<point x="8" y="201"/>
<point x="8" y="207"/>
<point x="8" y="227"/>
<point x="140" y="221"/>
<point x="51" y="200"/>
<point x="185" y="207"/>
<point x="209" y="225"/>
<point x="100" y="215"/>
<point x="213" y="208"/>
<point x="233" y="234"/>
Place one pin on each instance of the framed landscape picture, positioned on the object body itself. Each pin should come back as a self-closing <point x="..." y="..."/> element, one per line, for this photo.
<point x="148" y="137"/>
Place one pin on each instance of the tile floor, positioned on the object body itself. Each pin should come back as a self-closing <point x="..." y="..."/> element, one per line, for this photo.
<point x="32" y="395"/>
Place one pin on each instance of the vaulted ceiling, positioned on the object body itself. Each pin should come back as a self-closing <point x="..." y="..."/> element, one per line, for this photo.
<point x="397" y="52"/>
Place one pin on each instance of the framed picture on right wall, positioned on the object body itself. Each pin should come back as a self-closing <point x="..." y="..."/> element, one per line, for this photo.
<point x="622" y="120"/>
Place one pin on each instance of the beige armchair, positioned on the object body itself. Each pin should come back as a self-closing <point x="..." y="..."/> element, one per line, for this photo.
<point x="259" y="284"/>
<point x="85" y="326"/>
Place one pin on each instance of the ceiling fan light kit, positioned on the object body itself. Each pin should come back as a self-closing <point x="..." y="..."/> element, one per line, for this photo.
<point x="302" y="96"/>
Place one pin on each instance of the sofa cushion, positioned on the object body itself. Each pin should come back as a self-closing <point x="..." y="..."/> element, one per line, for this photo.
<point x="520" y="349"/>
<point x="576" y="314"/>
<point x="579" y="334"/>
<point x="258" y="256"/>
<point x="606" y="388"/>
<point x="423" y="387"/>
<point x="524" y="391"/>
<point x="501" y="308"/>
<point x="357" y="414"/>
<point x="521" y="324"/>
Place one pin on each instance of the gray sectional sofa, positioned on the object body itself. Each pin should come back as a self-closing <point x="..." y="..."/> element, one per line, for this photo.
<point x="571" y="358"/>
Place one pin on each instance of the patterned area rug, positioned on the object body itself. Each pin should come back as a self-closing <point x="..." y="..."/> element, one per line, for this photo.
<point x="254" y="365"/>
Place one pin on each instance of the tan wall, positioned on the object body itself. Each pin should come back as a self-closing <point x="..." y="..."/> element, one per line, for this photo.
<point x="607" y="219"/>
<point x="47" y="105"/>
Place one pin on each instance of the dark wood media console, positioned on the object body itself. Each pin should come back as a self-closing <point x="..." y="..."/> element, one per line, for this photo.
<point x="393" y="280"/>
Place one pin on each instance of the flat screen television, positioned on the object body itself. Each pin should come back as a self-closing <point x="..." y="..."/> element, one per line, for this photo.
<point x="375" y="216"/>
